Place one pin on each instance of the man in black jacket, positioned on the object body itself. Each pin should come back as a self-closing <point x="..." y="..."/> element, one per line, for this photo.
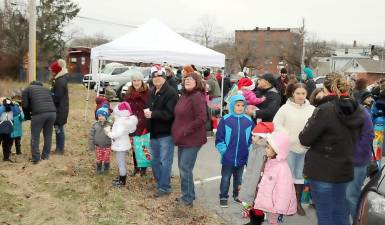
<point x="160" y="116"/>
<point x="38" y="107"/>
<point x="269" y="107"/>
<point x="61" y="100"/>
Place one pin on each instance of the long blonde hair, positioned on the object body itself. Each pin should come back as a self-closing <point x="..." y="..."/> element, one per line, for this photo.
<point x="337" y="84"/>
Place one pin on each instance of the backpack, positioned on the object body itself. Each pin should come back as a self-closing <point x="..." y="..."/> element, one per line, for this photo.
<point x="6" y="125"/>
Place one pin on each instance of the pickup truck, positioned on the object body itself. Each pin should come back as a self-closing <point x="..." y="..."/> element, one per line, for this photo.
<point x="110" y="74"/>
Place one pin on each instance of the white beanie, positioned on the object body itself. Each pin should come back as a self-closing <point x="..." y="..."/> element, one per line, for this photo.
<point x="137" y="76"/>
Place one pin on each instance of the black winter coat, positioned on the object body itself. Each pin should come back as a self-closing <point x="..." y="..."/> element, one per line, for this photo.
<point x="162" y="105"/>
<point x="331" y="133"/>
<point x="269" y="107"/>
<point x="60" y="96"/>
<point x="37" y="99"/>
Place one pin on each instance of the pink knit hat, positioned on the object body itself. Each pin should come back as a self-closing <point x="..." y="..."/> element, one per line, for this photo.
<point x="123" y="109"/>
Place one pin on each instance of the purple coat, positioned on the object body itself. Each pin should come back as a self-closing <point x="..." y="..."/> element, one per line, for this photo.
<point x="188" y="129"/>
<point x="364" y="142"/>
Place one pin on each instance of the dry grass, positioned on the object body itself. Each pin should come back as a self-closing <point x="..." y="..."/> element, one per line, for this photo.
<point x="64" y="190"/>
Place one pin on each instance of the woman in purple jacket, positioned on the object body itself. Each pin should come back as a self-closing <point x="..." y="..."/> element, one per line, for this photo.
<point x="189" y="132"/>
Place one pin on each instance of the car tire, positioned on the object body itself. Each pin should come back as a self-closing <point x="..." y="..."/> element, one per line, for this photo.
<point x="119" y="93"/>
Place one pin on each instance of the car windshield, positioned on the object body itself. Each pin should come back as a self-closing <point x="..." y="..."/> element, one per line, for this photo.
<point x="107" y="70"/>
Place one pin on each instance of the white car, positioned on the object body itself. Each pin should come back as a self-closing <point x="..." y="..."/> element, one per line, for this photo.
<point x="319" y="81"/>
<point x="111" y="74"/>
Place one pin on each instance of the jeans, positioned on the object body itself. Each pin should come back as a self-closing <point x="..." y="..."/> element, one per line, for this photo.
<point x="60" y="138"/>
<point x="226" y="172"/>
<point x="296" y="163"/>
<point x="353" y="190"/>
<point x="186" y="161"/>
<point x="162" y="150"/>
<point x="42" y="121"/>
<point x="330" y="202"/>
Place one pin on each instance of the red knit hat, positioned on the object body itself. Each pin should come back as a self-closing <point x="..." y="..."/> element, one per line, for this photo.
<point x="263" y="128"/>
<point x="246" y="82"/>
<point x="55" y="67"/>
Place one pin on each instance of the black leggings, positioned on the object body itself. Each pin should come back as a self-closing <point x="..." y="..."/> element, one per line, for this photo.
<point x="6" y="142"/>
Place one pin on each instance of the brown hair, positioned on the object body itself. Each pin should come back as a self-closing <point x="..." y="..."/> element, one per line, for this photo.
<point x="198" y="80"/>
<point x="295" y="86"/>
<point x="336" y="83"/>
<point x="361" y="84"/>
<point x="313" y="95"/>
<point x="131" y="89"/>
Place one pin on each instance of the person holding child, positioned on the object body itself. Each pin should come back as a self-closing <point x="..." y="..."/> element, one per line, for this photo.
<point x="276" y="193"/>
<point x="232" y="141"/>
<point x="99" y="141"/>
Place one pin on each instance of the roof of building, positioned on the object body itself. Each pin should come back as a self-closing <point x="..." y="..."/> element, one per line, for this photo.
<point x="372" y="66"/>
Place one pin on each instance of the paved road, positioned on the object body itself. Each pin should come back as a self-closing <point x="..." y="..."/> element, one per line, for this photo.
<point x="207" y="174"/>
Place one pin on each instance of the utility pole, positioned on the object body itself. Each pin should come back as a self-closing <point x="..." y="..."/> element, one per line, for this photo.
<point x="32" y="41"/>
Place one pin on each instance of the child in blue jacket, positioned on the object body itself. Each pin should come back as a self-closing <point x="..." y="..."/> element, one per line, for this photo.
<point x="233" y="140"/>
<point x="17" y="131"/>
<point x="7" y="113"/>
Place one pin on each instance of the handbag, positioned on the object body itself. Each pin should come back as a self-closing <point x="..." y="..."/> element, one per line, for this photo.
<point x="372" y="167"/>
<point x="142" y="150"/>
<point x="6" y="126"/>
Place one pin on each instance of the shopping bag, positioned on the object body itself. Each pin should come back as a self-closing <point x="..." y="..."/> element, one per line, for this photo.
<point x="306" y="196"/>
<point x="142" y="150"/>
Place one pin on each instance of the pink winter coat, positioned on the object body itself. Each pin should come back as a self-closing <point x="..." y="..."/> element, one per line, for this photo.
<point x="251" y="99"/>
<point x="276" y="193"/>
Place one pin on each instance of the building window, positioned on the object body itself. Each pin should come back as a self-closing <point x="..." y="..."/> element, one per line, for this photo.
<point x="73" y="60"/>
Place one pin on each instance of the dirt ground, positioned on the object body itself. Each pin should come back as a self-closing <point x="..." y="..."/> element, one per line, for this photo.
<point x="65" y="190"/>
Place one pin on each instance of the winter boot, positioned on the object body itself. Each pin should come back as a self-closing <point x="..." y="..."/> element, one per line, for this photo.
<point x="255" y="220"/>
<point x="143" y="171"/>
<point x="121" y="182"/>
<point x="98" y="168"/>
<point x="106" y="167"/>
<point x="298" y="191"/>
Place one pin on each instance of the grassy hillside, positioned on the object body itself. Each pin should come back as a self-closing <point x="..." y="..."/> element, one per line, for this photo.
<point x="64" y="190"/>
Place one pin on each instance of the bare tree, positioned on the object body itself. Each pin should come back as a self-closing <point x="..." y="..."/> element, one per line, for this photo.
<point x="90" y="41"/>
<point x="207" y="30"/>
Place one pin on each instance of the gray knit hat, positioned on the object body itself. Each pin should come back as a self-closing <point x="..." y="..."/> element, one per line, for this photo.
<point x="137" y="76"/>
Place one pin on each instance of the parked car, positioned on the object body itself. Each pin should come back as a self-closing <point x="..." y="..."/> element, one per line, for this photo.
<point x="110" y="73"/>
<point x="371" y="207"/>
<point x="319" y="81"/>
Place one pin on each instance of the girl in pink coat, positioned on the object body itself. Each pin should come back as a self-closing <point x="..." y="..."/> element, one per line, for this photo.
<point x="276" y="193"/>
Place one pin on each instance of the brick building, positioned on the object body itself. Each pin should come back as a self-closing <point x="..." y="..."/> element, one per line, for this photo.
<point x="268" y="50"/>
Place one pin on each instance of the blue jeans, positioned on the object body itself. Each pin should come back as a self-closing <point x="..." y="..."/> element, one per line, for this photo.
<point x="226" y="172"/>
<point x="296" y="163"/>
<point x="330" y="202"/>
<point x="60" y="138"/>
<point x="186" y="162"/>
<point x="162" y="150"/>
<point x="353" y="190"/>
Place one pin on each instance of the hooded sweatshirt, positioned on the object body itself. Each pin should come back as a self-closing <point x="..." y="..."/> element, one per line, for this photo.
<point x="331" y="133"/>
<point x="276" y="193"/>
<point x="233" y="137"/>
<point x="292" y="118"/>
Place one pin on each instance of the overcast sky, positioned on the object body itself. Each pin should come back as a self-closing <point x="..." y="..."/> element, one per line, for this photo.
<point x="340" y="20"/>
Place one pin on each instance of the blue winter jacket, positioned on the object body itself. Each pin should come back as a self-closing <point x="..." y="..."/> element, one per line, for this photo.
<point x="17" y="125"/>
<point x="233" y="137"/>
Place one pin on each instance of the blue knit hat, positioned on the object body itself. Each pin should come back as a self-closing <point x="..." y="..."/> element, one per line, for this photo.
<point x="103" y="111"/>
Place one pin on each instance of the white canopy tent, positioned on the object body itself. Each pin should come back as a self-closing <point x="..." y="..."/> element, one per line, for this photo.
<point x="154" y="42"/>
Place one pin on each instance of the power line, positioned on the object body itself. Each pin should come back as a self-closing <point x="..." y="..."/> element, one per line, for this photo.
<point x="106" y="21"/>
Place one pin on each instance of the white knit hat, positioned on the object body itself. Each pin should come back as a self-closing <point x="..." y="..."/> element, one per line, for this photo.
<point x="137" y="76"/>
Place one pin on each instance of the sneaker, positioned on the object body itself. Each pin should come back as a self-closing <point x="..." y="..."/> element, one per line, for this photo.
<point x="237" y="200"/>
<point x="160" y="194"/>
<point x="223" y="203"/>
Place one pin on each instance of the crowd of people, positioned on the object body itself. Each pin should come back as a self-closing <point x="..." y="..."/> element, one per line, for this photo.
<point x="280" y="131"/>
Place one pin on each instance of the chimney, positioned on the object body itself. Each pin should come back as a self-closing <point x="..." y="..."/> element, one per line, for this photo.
<point x="354" y="44"/>
<point x="268" y="28"/>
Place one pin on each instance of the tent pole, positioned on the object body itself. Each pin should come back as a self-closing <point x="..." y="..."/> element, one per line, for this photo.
<point x="88" y="95"/>
<point x="99" y="70"/>
<point x="223" y="75"/>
